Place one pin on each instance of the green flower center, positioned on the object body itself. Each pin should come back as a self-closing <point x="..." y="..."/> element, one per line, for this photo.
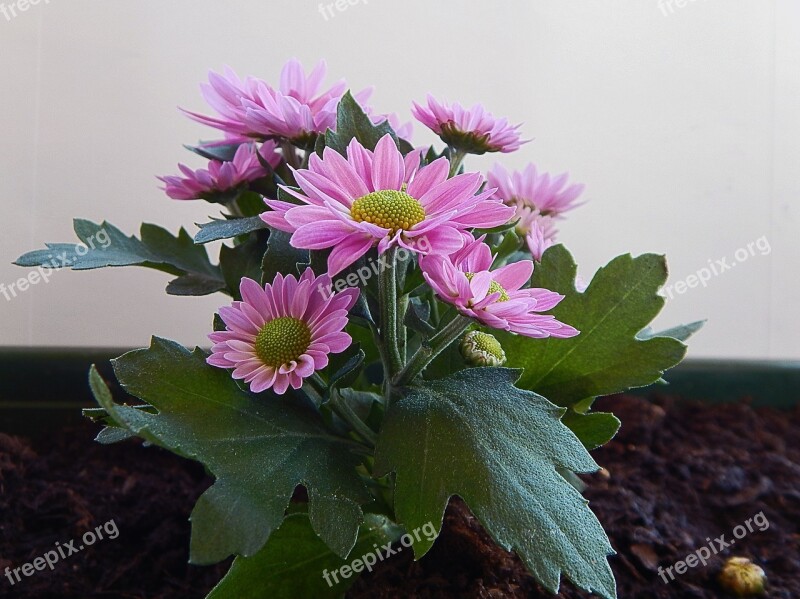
<point x="389" y="208"/>
<point x="494" y="287"/>
<point x="488" y="343"/>
<point x="282" y="340"/>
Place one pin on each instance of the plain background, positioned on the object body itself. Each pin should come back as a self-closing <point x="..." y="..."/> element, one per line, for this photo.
<point x="681" y="118"/>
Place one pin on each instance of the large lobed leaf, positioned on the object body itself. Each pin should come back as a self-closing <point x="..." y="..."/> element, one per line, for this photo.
<point x="475" y="435"/>
<point x="294" y="562"/>
<point x="103" y="245"/>
<point x="260" y="448"/>
<point x="608" y="356"/>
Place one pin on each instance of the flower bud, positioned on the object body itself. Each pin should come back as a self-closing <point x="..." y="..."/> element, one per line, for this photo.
<point x="742" y="577"/>
<point x="482" y="349"/>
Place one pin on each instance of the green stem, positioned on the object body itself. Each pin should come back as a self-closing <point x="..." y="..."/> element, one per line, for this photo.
<point x="402" y="308"/>
<point x="346" y="413"/>
<point x="387" y="298"/>
<point x="428" y="352"/>
<point x="456" y="158"/>
<point x="290" y="154"/>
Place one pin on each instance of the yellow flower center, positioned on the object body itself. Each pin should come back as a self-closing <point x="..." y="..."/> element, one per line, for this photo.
<point x="282" y="340"/>
<point x="388" y="208"/>
<point x="494" y="287"/>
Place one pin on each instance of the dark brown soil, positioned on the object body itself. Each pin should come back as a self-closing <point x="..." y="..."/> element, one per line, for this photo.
<point x="676" y="474"/>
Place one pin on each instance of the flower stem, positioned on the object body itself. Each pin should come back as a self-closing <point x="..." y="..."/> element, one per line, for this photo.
<point x="456" y="158"/>
<point x="346" y="413"/>
<point x="290" y="154"/>
<point x="387" y="298"/>
<point x="428" y="352"/>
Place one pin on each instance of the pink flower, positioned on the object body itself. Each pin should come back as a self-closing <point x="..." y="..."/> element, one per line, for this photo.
<point x="538" y="191"/>
<point x="221" y="177"/>
<point x="352" y="204"/>
<point x="298" y="110"/>
<point x="472" y="130"/>
<point x="541" y="235"/>
<point x="282" y="333"/>
<point x="494" y="298"/>
<point x="224" y="93"/>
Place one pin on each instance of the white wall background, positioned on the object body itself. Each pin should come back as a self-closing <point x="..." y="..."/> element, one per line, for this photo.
<point x="682" y="122"/>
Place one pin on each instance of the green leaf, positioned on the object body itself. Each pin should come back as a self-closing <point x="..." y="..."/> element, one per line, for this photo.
<point x="223" y="153"/>
<point x="477" y="436"/>
<point x="353" y="122"/>
<point x="417" y="317"/>
<point x="607" y="357"/>
<point x="294" y="561"/>
<point x="225" y="229"/>
<point x="194" y="285"/>
<point x="281" y="256"/>
<point x="243" y="260"/>
<point x="681" y="332"/>
<point x="260" y="448"/>
<point x="104" y="245"/>
<point x="498" y="229"/>
<point x="347" y="373"/>
<point x="593" y="430"/>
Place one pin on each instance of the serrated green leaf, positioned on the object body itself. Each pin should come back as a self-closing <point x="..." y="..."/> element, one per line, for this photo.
<point x="260" y="448"/>
<point x="353" y="122"/>
<point x="499" y="448"/>
<point x="607" y="357"/>
<point x="594" y="430"/>
<point x="294" y="561"/>
<point x="225" y="229"/>
<point x="104" y="245"/>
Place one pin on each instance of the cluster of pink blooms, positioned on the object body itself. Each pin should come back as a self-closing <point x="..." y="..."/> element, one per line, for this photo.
<point x="281" y="333"/>
<point x="538" y="200"/>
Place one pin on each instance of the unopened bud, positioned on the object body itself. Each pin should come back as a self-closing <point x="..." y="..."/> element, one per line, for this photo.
<point x="742" y="577"/>
<point x="482" y="349"/>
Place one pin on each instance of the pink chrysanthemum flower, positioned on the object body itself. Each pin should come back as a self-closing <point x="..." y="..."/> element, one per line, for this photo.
<point x="298" y="110"/>
<point x="282" y="333"/>
<point x="351" y="204"/>
<point x="224" y="92"/>
<point x="541" y="235"/>
<point x="538" y="191"/>
<point x="472" y="130"/>
<point x="221" y="177"/>
<point x="494" y="298"/>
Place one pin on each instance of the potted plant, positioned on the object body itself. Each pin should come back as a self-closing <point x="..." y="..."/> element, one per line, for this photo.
<point x="401" y="331"/>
